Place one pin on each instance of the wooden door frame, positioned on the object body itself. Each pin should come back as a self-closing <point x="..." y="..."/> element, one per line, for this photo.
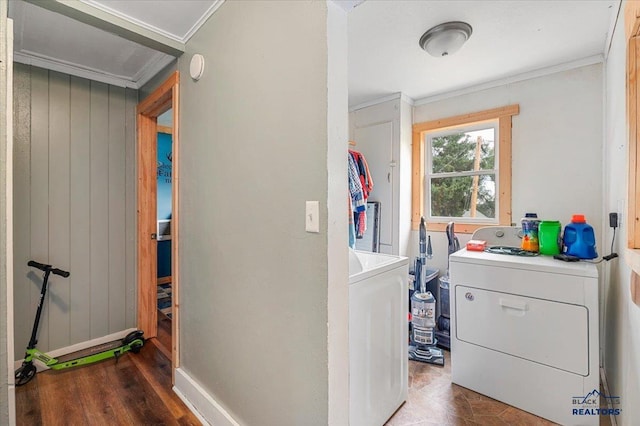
<point x="165" y="97"/>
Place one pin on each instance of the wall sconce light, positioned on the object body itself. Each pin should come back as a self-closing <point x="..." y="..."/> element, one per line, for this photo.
<point x="196" y="67"/>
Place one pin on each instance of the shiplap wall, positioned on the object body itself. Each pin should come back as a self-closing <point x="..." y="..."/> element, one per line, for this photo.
<point x="74" y="186"/>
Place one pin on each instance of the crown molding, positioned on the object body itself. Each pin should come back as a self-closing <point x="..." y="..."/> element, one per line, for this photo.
<point x="152" y="69"/>
<point x="212" y="9"/>
<point x="590" y="60"/>
<point x="183" y="38"/>
<point x="90" y="14"/>
<point x="136" y="82"/>
<point x="131" y="19"/>
<point x="398" y="95"/>
<point x="71" y="69"/>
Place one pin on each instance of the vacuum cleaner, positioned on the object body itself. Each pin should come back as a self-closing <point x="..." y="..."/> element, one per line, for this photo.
<point x="132" y="342"/>
<point x="422" y="341"/>
<point x="443" y="333"/>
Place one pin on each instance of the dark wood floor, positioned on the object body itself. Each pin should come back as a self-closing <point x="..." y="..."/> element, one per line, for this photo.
<point x="134" y="391"/>
<point x="164" y="334"/>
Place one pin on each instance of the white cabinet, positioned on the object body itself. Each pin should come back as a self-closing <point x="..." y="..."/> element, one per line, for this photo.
<point x="382" y="133"/>
<point x="375" y="142"/>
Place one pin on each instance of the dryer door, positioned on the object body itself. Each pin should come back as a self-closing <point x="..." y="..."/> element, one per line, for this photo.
<point x="543" y="331"/>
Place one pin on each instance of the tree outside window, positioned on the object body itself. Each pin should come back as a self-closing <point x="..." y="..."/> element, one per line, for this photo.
<point x="461" y="168"/>
<point x="461" y="174"/>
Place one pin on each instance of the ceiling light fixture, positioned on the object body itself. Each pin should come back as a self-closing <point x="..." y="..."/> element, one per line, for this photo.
<point x="445" y="39"/>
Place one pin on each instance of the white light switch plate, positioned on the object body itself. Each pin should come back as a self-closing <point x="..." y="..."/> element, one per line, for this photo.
<point x="312" y="216"/>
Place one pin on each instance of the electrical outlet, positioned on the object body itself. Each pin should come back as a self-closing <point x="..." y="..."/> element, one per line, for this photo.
<point x="621" y="209"/>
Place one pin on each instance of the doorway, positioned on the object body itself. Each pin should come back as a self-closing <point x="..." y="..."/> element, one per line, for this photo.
<point x="163" y="99"/>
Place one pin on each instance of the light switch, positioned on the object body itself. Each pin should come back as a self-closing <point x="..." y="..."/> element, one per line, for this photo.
<point x="312" y="216"/>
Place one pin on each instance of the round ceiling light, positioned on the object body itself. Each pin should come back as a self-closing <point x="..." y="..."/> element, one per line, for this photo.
<point x="445" y="39"/>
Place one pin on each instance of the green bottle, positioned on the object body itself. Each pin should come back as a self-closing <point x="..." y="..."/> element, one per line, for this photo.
<point x="549" y="237"/>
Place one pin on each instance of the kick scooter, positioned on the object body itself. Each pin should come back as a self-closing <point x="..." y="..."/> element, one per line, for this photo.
<point x="132" y="342"/>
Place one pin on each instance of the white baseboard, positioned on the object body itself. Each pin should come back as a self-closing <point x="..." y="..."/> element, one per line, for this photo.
<point x="78" y="347"/>
<point x="208" y="411"/>
<point x="605" y="387"/>
<point x="12" y="403"/>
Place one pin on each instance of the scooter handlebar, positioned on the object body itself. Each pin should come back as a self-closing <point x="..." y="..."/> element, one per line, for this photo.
<point x="60" y="272"/>
<point x="45" y="268"/>
<point x="38" y="265"/>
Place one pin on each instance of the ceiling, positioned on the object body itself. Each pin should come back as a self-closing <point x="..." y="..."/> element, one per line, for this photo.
<point x="178" y="20"/>
<point x="51" y="40"/>
<point x="509" y="38"/>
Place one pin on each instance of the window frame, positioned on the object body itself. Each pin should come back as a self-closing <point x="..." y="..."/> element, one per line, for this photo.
<point x="632" y="250"/>
<point x="503" y="116"/>
<point x="428" y="176"/>
<point x="633" y="119"/>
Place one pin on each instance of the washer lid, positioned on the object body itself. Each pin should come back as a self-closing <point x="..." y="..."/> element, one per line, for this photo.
<point x="536" y="263"/>
<point x="499" y="235"/>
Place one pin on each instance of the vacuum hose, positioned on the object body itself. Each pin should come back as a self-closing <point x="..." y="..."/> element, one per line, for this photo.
<point x="423" y="256"/>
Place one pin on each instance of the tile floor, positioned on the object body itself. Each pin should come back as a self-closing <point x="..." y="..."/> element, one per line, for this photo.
<point x="434" y="400"/>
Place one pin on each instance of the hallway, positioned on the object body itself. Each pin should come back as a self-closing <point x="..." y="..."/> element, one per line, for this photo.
<point x="135" y="390"/>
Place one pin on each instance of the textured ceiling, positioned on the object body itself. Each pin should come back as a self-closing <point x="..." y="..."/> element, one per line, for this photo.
<point x="509" y="38"/>
<point x="174" y="19"/>
<point x="51" y="40"/>
<point x="78" y="46"/>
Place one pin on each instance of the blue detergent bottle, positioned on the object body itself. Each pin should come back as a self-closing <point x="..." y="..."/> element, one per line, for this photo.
<point x="579" y="239"/>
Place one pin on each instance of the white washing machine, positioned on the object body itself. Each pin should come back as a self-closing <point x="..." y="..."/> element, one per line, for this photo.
<point x="524" y="331"/>
<point x="378" y="358"/>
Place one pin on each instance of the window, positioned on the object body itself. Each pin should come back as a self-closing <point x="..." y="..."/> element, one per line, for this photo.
<point x="461" y="176"/>
<point x="462" y="170"/>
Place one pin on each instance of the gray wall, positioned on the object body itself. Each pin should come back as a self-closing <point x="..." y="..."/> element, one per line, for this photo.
<point x="74" y="185"/>
<point x="4" y="179"/>
<point x="558" y="133"/>
<point x="253" y="148"/>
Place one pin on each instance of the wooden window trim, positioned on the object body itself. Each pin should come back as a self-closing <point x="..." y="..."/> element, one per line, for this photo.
<point x="632" y="26"/>
<point x="503" y="115"/>
<point x="632" y="35"/>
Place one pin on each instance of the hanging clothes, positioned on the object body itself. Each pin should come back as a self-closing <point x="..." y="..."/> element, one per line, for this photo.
<point x="360" y="186"/>
<point x="365" y="176"/>
<point x="356" y="199"/>
<point x="352" y="226"/>
<point x="355" y="187"/>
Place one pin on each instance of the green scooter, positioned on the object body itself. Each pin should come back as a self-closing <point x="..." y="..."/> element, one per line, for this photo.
<point x="132" y="342"/>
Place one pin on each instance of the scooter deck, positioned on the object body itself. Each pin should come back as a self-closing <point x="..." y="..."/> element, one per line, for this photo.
<point x="90" y="351"/>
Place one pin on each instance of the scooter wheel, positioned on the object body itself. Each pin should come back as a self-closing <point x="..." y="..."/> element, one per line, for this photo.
<point x="129" y="338"/>
<point x="25" y="373"/>
<point x="136" y="346"/>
